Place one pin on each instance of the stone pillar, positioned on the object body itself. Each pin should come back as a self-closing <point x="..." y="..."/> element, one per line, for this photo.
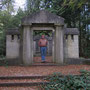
<point x="54" y="46"/>
<point x="34" y="47"/>
<point x="27" y="46"/>
<point x="48" y="48"/>
<point x="59" y="45"/>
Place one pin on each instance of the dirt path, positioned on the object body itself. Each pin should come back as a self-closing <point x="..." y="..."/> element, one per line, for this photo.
<point x="41" y="70"/>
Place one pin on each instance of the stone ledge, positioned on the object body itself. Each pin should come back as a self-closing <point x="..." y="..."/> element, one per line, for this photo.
<point x="10" y="62"/>
<point x="77" y="61"/>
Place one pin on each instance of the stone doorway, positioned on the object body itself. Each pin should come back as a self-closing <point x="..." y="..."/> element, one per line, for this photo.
<point x="42" y="20"/>
<point x="57" y="50"/>
<point x="49" y="35"/>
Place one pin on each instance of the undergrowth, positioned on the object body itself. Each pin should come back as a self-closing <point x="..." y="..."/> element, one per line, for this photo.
<point x="57" y="81"/>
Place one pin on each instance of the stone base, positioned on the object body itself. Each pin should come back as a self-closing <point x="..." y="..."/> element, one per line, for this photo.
<point x="10" y="62"/>
<point x="77" y="61"/>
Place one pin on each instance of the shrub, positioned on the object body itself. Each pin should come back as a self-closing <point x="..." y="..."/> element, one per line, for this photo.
<point x="69" y="82"/>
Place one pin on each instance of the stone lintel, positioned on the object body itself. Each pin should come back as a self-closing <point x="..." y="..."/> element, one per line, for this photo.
<point x="37" y="24"/>
<point x="59" y="25"/>
<point x="43" y="24"/>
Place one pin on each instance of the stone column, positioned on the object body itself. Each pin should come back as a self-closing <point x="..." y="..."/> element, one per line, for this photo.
<point x="34" y="47"/>
<point x="59" y="45"/>
<point x="54" y="46"/>
<point x="27" y="46"/>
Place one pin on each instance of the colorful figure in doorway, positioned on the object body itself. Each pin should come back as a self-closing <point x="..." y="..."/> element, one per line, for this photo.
<point x="43" y="47"/>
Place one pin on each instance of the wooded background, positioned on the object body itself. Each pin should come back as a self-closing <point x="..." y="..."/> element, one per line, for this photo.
<point x="75" y="12"/>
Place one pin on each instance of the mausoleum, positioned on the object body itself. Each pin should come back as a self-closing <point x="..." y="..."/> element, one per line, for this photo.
<point x="20" y="41"/>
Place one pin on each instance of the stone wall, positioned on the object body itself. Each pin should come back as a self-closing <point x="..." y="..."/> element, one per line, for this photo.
<point x="42" y="20"/>
<point x="12" y="46"/>
<point x="71" y="46"/>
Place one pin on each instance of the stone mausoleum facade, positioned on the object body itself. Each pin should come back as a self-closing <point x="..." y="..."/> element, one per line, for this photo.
<point x="20" y="44"/>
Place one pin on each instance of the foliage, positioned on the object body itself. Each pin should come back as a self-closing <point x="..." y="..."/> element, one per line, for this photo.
<point x="7" y="5"/>
<point x="2" y="41"/>
<point x="7" y="20"/>
<point x="32" y="6"/>
<point x="16" y="19"/>
<point x="69" y="82"/>
<point x="47" y="32"/>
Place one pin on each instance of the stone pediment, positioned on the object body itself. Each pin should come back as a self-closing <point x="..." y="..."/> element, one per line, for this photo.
<point x="42" y="16"/>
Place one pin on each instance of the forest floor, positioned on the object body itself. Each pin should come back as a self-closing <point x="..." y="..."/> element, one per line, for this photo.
<point x="41" y="70"/>
<point x="38" y="71"/>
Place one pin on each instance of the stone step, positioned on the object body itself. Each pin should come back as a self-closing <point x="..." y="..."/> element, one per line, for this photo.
<point x="22" y="77"/>
<point x="21" y="80"/>
<point x="22" y="88"/>
<point x="23" y="84"/>
<point x="27" y="77"/>
<point x="8" y="81"/>
<point x="47" y="64"/>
